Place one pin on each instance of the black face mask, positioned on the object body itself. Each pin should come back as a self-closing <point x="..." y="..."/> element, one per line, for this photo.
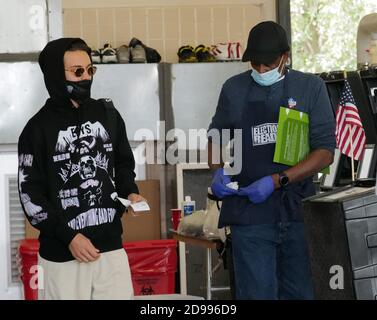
<point x="79" y="91"/>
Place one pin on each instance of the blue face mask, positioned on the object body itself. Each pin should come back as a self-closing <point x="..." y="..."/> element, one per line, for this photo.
<point x="267" y="78"/>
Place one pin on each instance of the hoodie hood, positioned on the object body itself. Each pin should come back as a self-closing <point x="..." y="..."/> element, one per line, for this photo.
<point x="51" y="62"/>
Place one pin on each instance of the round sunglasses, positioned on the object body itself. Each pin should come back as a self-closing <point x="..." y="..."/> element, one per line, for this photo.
<point x="79" y="71"/>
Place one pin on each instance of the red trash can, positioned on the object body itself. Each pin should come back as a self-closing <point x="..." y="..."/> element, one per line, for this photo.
<point x="153" y="265"/>
<point x="27" y="264"/>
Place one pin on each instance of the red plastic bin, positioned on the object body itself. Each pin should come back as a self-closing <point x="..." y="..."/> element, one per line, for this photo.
<point x="153" y="266"/>
<point x="27" y="262"/>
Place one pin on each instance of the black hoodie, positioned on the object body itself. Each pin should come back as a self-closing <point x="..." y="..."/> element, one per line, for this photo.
<point x="70" y="169"/>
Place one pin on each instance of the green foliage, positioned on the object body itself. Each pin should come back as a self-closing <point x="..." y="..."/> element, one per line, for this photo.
<point x="324" y="33"/>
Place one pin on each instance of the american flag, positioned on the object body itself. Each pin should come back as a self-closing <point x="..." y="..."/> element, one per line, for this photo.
<point x="349" y="126"/>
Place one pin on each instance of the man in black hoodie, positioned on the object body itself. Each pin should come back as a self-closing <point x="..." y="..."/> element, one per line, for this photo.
<point x="74" y="161"/>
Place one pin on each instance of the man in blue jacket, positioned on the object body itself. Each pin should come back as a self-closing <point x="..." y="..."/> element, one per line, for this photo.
<point x="264" y="214"/>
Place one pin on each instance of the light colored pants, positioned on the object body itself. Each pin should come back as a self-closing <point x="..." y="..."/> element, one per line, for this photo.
<point x="108" y="277"/>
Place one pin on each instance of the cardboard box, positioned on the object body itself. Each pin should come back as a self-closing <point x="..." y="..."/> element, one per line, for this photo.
<point x="30" y="231"/>
<point x="143" y="226"/>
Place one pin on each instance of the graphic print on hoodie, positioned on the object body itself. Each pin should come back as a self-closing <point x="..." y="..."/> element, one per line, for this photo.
<point x="85" y="178"/>
<point x="70" y="173"/>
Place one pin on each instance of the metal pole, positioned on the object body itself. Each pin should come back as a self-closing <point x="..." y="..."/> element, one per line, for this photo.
<point x="283" y="17"/>
<point x="209" y="273"/>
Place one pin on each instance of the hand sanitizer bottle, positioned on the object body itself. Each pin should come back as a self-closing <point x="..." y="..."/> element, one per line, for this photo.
<point x="188" y="206"/>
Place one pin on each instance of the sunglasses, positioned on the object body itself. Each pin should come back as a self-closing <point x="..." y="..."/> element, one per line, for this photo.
<point x="79" y="71"/>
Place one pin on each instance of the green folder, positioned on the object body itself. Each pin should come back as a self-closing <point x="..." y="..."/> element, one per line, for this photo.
<point x="292" y="141"/>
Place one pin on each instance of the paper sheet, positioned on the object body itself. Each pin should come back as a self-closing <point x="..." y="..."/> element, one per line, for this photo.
<point x="345" y="193"/>
<point x="137" y="206"/>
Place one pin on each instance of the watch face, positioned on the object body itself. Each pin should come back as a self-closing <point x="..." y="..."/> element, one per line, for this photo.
<point x="283" y="180"/>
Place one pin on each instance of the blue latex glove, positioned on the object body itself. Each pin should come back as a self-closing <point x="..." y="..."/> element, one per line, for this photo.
<point x="219" y="182"/>
<point x="259" y="190"/>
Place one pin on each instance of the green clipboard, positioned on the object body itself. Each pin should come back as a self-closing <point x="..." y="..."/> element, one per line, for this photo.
<point x="292" y="141"/>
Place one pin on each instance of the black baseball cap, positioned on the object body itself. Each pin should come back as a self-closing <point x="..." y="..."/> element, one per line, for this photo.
<point x="267" y="41"/>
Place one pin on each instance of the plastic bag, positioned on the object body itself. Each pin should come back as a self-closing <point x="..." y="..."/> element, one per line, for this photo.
<point x="203" y="223"/>
<point x="210" y="226"/>
<point x="192" y="225"/>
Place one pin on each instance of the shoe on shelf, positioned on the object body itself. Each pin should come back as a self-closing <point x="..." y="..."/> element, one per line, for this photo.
<point x="134" y="41"/>
<point x="236" y="50"/>
<point x="221" y="52"/>
<point x="230" y="51"/>
<point x="138" y="54"/>
<point x="96" y="56"/>
<point x="186" y="54"/>
<point x="123" y="54"/>
<point x="203" y="54"/>
<point x="108" y="54"/>
<point x="151" y="55"/>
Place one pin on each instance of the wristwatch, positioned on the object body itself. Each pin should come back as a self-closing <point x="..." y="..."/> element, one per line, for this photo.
<point x="283" y="179"/>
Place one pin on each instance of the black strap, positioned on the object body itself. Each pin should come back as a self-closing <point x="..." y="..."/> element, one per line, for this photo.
<point x="214" y="198"/>
<point x="111" y="119"/>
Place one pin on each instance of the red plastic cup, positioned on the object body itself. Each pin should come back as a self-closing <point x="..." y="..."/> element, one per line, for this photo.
<point x="175" y="217"/>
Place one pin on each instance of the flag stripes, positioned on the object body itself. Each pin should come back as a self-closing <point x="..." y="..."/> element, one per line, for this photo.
<point x="350" y="135"/>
